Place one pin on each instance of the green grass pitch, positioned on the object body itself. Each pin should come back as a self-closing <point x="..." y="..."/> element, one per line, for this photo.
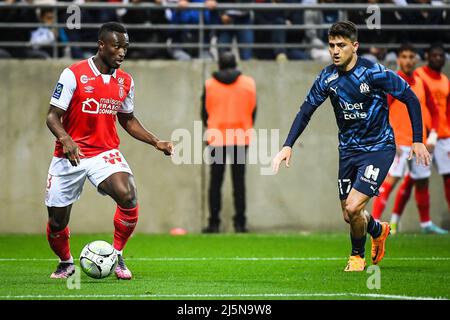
<point x="233" y="266"/>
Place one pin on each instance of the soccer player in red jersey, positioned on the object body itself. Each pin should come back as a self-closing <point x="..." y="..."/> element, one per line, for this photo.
<point x="88" y="98"/>
<point x="439" y="85"/>
<point x="415" y="175"/>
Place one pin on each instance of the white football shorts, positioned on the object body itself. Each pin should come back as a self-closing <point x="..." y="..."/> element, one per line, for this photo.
<point x="442" y="156"/>
<point x="401" y="166"/>
<point x="65" y="182"/>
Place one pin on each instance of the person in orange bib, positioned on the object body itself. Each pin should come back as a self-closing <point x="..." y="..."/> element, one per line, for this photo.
<point x="228" y="113"/>
<point x="415" y="175"/>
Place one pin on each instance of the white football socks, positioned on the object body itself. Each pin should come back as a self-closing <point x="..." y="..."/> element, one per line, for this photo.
<point x="426" y="224"/>
<point x="395" y="218"/>
<point x="67" y="261"/>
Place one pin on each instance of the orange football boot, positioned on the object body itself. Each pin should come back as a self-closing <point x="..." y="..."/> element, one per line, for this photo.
<point x="355" y="263"/>
<point x="379" y="244"/>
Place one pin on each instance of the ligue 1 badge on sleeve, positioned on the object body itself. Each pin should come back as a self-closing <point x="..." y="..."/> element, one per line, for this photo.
<point x="58" y="90"/>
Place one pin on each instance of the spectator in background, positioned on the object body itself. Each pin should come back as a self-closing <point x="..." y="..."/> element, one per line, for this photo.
<point x="318" y="38"/>
<point x="228" y="112"/>
<point x="296" y="36"/>
<point x="381" y="35"/>
<point x="425" y="17"/>
<point x="45" y="36"/>
<point x="243" y="36"/>
<point x="278" y="36"/>
<point x="17" y="15"/>
<point x="184" y="15"/>
<point x="89" y="35"/>
<point x="146" y="36"/>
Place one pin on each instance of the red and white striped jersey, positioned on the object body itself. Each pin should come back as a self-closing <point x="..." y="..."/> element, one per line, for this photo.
<point x="91" y="101"/>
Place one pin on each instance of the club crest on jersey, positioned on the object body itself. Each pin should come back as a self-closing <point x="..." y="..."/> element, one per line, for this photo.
<point x="121" y="81"/>
<point x="364" y="88"/>
<point x="58" y="90"/>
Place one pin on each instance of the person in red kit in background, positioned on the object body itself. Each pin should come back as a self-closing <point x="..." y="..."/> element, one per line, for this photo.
<point x="439" y="86"/>
<point x="417" y="176"/>
<point x="88" y="98"/>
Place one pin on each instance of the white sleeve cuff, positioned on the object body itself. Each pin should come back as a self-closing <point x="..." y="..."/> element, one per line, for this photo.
<point x="64" y="89"/>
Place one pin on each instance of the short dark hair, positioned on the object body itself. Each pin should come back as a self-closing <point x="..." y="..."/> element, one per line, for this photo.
<point x="346" y="29"/>
<point x="436" y="45"/>
<point x="227" y="60"/>
<point x="406" y="47"/>
<point x="110" y="27"/>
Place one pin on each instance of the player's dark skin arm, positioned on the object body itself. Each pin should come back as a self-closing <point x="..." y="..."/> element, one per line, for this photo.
<point x="134" y="127"/>
<point x="58" y="218"/>
<point x="54" y="123"/>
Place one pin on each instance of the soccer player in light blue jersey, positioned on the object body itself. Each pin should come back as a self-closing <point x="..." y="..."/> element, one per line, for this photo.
<point x="358" y="90"/>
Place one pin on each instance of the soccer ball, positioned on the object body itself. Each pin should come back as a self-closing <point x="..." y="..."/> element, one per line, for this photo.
<point x="98" y="259"/>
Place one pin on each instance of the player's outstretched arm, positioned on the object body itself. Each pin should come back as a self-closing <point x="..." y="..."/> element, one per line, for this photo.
<point x="284" y="154"/>
<point x="134" y="127"/>
<point x="70" y="148"/>
<point x="299" y="124"/>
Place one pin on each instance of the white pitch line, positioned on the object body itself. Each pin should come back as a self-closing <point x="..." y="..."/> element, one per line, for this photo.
<point x="278" y="259"/>
<point x="239" y="259"/>
<point x="187" y="296"/>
